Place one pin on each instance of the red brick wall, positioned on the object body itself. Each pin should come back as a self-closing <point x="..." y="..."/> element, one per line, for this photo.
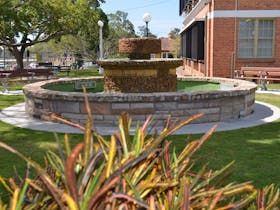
<point x="221" y="58"/>
<point x="258" y="4"/>
<point x="223" y="47"/>
<point x="224" y="4"/>
<point x="246" y="4"/>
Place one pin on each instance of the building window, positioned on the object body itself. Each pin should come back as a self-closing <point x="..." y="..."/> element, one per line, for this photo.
<point x="192" y="42"/>
<point x="256" y="38"/>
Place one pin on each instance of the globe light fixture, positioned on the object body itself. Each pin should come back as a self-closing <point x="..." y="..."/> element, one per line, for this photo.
<point x="100" y="23"/>
<point x="147" y="18"/>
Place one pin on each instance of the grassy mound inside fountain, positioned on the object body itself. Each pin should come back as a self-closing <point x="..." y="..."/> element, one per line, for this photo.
<point x="182" y="86"/>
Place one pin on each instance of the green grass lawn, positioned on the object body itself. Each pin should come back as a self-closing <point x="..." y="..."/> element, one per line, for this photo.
<point x="17" y="85"/>
<point x="79" y="73"/>
<point x="273" y="86"/>
<point x="33" y="144"/>
<point x="254" y="150"/>
<point x="187" y="86"/>
<point x="70" y="87"/>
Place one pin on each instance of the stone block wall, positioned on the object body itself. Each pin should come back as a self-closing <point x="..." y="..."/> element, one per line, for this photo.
<point x="140" y="45"/>
<point x="140" y="76"/>
<point x="216" y="106"/>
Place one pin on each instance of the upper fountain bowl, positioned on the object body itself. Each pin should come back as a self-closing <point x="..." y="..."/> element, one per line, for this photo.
<point x="139" y="48"/>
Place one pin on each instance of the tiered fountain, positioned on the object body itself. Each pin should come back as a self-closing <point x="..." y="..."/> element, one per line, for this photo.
<point x="139" y="73"/>
<point x="141" y="87"/>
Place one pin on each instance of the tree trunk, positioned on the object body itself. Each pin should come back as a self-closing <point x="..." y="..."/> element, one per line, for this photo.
<point x="18" y="54"/>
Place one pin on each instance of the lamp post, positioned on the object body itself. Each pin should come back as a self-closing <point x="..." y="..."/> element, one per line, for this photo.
<point x="4" y="57"/>
<point x="147" y="18"/>
<point x="101" y="24"/>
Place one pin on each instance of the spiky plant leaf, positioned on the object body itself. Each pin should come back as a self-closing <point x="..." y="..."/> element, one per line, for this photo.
<point x="22" y="195"/>
<point x="133" y="172"/>
<point x="2" y="205"/>
<point x="70" y="171"/>
<point x="129" y="199"/>
<point x="111" y="157"/>
<point x="91" y="185"/>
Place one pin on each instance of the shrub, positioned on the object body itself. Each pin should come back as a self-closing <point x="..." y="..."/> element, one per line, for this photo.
<point x="130" y="172"/>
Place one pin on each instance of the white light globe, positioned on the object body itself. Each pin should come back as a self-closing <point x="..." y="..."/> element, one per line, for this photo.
<point x="100" y="23"/>
<point x="147" y="17"/>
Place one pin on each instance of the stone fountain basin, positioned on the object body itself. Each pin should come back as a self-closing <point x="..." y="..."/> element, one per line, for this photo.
<point x="236" y="101"/>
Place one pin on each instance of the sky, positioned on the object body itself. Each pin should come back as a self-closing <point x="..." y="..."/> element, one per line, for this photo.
<point x="164" y="13"/>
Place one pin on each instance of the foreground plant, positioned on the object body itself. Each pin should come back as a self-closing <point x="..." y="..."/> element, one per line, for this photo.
<point x="130" y="172"/>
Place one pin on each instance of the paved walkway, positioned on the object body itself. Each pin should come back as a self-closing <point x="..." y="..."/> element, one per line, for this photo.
<point x="13" y="92"/>
<point x="275" y="92"/>
<point x="264" y="113"/>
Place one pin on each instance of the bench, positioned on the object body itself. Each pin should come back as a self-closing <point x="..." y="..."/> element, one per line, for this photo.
<point x="40" y="72"/>
<point x="26" y="75"/>
<point x="259" y="74"/>
<point x="15" y="74"/>
<point x="7" y="75"/>
<point x="66" y="69"/>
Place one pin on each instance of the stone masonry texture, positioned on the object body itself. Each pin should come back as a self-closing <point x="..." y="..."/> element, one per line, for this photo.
<point x="221" y="105"/>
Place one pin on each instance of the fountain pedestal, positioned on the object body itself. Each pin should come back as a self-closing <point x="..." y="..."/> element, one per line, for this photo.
<point x="140" y="75"/>
<point x="136" y="76"/>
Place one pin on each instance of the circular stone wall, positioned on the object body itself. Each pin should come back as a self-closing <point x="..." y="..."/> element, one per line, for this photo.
<point x="231" y="103"/>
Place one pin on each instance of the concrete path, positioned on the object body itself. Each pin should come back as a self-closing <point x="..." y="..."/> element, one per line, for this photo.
<point x="264" y="113"/>
<point x="275" y="92"/>
<point x="12" y="92"/>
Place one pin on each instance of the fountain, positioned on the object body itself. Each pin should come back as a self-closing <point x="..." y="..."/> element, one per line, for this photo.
<point x="141" y="87"/>
<point x="139" y="73"/>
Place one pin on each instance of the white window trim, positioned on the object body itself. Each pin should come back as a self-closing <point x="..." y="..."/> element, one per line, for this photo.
<point x="244" y="14"/>
<point x="256" y="43"/>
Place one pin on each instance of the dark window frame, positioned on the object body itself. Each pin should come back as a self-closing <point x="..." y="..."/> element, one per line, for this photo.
<point x="183" y="5"/>
<point x="192" y="41"/>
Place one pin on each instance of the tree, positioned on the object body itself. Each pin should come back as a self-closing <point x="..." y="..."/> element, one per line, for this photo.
<point x="143" y="32"/>
<point x="176" y="45"/>
<point x="119" y="27"/>
<point x="84" y="44"/>
<point x="174" y="33"/>
<point x="88" y="34"/>
<point x="26" y="23"/>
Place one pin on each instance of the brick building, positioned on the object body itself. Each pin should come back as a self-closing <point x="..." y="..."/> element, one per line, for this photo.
<point x="220" y="36"/>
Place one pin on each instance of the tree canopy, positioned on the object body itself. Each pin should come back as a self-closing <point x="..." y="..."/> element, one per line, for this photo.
<point x="174" y="33"/>
<point x="143" y="32"/>
<point x="119" y="27"/>
<point x="24" y="23"/>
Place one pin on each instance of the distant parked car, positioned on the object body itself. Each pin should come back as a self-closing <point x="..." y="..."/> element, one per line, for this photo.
<point x="89" y="65"/>
<point x="33" y="65"/>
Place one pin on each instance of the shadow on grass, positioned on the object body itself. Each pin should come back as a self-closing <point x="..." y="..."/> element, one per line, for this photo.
<point x="256" y="152"/>
<point x="33" y="144"/>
